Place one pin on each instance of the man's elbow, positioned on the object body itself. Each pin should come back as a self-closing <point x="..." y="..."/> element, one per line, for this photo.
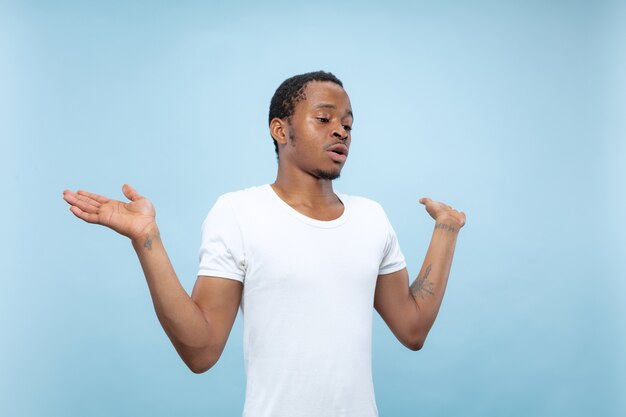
<point x="415" y="346"/>
<point x="199" y="367"/>
<point x="416" y="343"/>
<point x="199" y="370"/>
<point x="199" y="364"/>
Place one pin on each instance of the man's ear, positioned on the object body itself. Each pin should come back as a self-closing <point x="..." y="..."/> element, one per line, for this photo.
<point x="278" y="130"/>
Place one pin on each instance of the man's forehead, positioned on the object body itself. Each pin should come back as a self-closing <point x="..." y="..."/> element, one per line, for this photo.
<point x="327" y="95"/>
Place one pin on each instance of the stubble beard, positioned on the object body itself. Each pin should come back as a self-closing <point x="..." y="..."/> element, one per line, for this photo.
<point x="320" y="174"/>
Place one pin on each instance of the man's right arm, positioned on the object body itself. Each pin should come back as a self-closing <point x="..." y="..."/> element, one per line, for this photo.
<point x="198" y="326"/>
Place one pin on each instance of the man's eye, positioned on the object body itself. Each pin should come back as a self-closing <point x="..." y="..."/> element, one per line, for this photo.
<point x="347" y="128"/>
<point x="323" y="119"/>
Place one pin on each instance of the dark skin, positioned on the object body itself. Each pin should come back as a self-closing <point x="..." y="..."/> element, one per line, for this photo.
<point x="313" y="146"/>
<point x="322" y="120"/>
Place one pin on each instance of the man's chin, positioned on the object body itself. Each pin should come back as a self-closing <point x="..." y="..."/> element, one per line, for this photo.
<point x="326" y="175"/>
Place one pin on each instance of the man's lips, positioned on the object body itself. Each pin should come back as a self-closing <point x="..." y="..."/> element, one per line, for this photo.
<point x="338" y="152"/>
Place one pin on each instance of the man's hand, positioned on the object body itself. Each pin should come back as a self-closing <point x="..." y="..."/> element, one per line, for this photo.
<point x="443" y="213"/>
<point x="129" y="219"/>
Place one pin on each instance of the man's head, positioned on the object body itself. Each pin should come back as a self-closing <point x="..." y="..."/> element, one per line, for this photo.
<point x="291" y="91"/>
<point x="310" y="122"/>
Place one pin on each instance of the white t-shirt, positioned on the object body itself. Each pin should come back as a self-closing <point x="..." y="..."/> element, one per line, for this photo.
<point x="307" y="299"/>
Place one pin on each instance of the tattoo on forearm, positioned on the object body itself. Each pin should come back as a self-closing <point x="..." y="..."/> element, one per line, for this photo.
<point x="447" y="227"/>
<point x="148" y="242"/>
<point x="422" y="286"/>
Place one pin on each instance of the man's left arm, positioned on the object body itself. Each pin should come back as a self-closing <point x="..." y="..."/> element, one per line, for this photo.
<point x="410" y="311"/>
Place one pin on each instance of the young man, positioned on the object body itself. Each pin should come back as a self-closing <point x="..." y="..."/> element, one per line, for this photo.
<point x="304" y="264"/>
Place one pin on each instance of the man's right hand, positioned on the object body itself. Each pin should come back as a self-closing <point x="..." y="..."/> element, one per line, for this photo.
<point x="131" y="219"/>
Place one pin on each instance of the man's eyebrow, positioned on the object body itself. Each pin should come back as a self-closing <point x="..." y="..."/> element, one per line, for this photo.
<point x="332" y="106"/>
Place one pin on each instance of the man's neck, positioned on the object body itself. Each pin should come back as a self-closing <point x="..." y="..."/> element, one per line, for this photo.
<point x="310" y="196"/>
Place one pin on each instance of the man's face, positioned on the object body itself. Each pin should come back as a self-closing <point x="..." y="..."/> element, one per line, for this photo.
<point x="318" y="132"/>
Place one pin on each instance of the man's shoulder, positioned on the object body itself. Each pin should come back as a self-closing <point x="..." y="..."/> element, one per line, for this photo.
<point x="358" y="199"/>
<point x="245" y="195"/>
<point x="361" y="203"/>
<point x="240" y="204"/>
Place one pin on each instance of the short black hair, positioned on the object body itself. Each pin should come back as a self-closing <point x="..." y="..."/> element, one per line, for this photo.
<point x="291" y="92"/>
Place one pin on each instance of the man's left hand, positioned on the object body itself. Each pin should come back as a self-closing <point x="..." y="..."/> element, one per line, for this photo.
<point x="443" y="213"/>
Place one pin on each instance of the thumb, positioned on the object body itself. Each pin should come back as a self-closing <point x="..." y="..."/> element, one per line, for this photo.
<point x="424" y="200"/>
<point x="130" y="192"/>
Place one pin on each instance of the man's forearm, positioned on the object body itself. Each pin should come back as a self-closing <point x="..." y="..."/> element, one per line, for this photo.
<point x="182" y="320"/>
<point x="430" y="285"/>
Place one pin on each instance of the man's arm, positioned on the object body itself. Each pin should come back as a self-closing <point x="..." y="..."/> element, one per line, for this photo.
<point x="198" y="326"/>
<point x="410" y="311"/>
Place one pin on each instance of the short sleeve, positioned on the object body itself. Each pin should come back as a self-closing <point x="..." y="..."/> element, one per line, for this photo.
<point x="393" y="259"/>
<point x="221" y="251"/>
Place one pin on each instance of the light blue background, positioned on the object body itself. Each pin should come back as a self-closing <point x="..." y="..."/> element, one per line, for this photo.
<point x="511" y="111"/>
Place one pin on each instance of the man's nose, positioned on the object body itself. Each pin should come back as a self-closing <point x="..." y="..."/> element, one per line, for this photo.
<point x="340" y="132"/>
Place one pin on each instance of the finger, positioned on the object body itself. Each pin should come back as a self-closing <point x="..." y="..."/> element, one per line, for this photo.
<point x="88" y="217"/>
<point x="99" y="198"/>
<point x="130" y="192"/>
<point x="84" y="203"/>
<point x="87" y="204"/>
<point x="68" y="196"/>
<point x="424" y="200"/>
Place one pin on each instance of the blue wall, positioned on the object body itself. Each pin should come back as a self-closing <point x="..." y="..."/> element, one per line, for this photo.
<point x="511" y="111"/>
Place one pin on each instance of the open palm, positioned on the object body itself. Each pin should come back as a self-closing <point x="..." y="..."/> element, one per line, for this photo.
<point x="129" y="219"/>
<point x="440" y="211"/>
